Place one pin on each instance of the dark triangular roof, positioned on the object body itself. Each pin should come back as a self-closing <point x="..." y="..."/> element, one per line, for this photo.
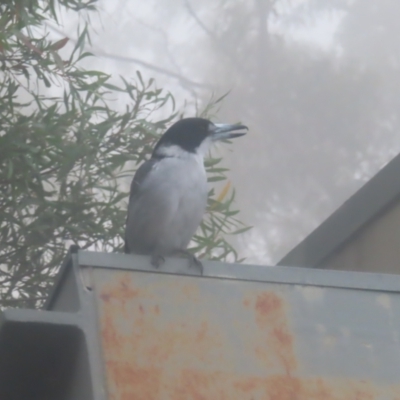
<point x="349" y="219"/>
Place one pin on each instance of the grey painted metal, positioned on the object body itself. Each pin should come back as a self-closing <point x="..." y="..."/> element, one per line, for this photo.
<point x="43" y="356"/>
<point x="334" y="332"/>
<point x="60" y="278"/>
<point x="40" y="317"/>
<point x="299" y="276"/>
<point x="90" y="327"/>
<point x="85" y="381"/>
<point x="365" y="205"/>
<point x="342" y="327"/>
<point x="273" y="334"/>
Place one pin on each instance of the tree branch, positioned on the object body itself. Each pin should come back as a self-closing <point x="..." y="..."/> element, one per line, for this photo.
<point x="104" y="54"/>
<point x="213" y="36"/>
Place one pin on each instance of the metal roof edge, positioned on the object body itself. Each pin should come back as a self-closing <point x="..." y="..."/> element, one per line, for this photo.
<point x="245" y="272"/>
<point x="65" y="266"/>
<point x="349" y="219"/>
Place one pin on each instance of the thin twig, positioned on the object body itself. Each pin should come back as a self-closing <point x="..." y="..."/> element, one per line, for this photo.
<point x="104" y="54"/>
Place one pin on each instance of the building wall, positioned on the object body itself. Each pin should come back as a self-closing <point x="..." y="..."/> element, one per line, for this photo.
<point x="375" y="249"/>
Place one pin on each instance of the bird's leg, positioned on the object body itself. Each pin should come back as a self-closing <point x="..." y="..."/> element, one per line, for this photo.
<point x="193" y="260"/>
<point x="157" y="260"/>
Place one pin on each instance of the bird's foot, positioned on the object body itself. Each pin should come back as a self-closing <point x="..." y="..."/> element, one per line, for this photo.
<point x="193" y="260"/>
<point x="157" y="260"/>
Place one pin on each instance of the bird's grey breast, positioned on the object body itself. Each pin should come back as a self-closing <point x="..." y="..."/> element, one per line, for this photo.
<point x="168" y="200"/>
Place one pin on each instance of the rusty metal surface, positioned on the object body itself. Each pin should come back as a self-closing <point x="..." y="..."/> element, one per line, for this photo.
<point x="189" y="338"/>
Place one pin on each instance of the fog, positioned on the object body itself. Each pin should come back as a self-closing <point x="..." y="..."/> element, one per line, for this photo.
<point x="317" y="82"/>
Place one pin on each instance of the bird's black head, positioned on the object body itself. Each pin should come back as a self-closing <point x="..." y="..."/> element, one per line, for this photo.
<point x="194" y="134"/>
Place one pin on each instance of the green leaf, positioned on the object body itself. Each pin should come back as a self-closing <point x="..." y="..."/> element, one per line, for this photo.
<point x="57" y="59"/>
<point x="59" y="44"/>
<point x="67" y="158"/>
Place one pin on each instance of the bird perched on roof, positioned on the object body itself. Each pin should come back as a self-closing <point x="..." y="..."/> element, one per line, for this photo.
<point x="168" y="194"/>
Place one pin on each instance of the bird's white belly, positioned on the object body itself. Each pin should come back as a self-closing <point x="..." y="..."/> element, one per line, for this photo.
<point x="180" y="199"/>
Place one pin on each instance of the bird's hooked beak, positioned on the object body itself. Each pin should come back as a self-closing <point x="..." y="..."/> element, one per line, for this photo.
<point x="227" y="131"/>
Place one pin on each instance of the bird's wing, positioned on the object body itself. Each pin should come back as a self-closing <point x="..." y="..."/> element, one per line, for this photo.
<point x="137" y="181"/>
<point x="140" y="176"/>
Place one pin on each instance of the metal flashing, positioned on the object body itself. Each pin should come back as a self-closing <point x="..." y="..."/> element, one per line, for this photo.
<point x="213" y="269"/>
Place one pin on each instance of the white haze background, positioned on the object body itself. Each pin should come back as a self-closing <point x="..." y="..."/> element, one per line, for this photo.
<point x="317" y="82"/>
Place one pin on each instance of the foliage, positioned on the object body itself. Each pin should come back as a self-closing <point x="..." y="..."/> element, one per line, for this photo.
<point x="65" y="153"/>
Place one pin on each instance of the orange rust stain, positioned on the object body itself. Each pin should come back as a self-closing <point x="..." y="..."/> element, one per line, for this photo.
<point x="247" y="385"/>
<point x="202" y="332"/>
<point x="134" y="383"/>
<point x="190" y="291"/>
<point x="125" y="291"/>
<point x="283" y="388"/>
<point x="321" y="390"/>
<point x="120" y="291"/>
<point x="105" y="296"/>
<point x="110" y="336"/>
<point x="282" y="336"/>
<point x="280" y="387"/>
<point x="267" y="303"/>
<point x="134" y="343"/>
<point x="198" y="386"/>
<point x="363" y="395"/>
<point x="149" y="358"/>
<point x="277" y="348"/>
<point x="159" y="353"/>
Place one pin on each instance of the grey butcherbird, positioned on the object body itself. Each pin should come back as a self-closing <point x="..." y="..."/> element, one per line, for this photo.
<point x="168" y="195"/>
